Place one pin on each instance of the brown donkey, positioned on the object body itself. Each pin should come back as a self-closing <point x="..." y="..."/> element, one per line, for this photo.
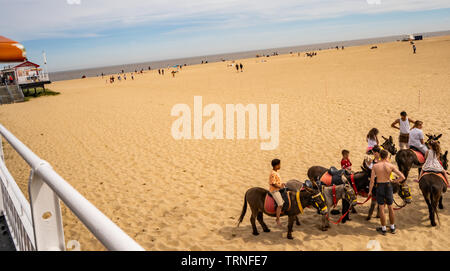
<point x="255" y="197"/>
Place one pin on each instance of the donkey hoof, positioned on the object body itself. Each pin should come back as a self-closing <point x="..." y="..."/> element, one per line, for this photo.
<point x="324" y="228"/>
<point x="297" y="223"/>
<point x="266" y="230"/>
<point x="368" y="218"/>
<point x="441" y="207"/>
<point x="433" y="224"/>
<point x="289" y="236"/>
<point x="255" y="233"/>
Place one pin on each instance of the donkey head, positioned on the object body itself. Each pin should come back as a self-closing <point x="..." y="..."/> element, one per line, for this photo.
<point x="389" y="145"/>
<point x="444" y="160"/>
<point x="318" y="200"/>
<point x="405" y="192"/>
<point x="350" y="195"/>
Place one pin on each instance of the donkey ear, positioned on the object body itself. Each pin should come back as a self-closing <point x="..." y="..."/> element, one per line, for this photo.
<point x="446" y="152"/>
<point x="384" y="138"/>
<point x="390" y="139"/>
<point x="439" y="136"/>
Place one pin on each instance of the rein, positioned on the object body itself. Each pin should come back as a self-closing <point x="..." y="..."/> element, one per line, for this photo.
<point x="340" y="219"/>
<point x="352" y="178"/>
<point x="399" y="207"/>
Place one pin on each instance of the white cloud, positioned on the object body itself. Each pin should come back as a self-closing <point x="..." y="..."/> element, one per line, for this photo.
<point x="66" y="18"/>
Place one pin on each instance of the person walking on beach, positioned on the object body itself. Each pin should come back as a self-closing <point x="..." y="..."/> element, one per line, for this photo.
<point x="275" y="185"/>
<point x="414" y="48"/>
<point x="241" y="66"/>
<point x="237" y="67"/>
<point x="372" y="139"/>
<point x="416" y="138"/>
<point x="162" y="71"/>
<point x="403" y="125"/>
<point x="384" y="192"/>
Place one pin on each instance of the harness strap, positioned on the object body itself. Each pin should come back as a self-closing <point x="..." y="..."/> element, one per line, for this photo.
<point x="299" y="203"/>
<point x="334" y="195"/>
<point x="352" y="179"/>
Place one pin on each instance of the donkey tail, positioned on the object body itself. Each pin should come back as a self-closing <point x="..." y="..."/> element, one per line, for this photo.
<point x="244" y="210"/>
<point x="434" y="201"/>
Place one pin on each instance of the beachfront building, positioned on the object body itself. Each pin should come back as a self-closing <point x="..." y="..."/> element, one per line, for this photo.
<point x="15" y="79"/>
<point x="30" y="73"/>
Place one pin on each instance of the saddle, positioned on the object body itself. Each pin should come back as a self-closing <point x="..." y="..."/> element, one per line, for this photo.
<point x="435" y="173"/>
<point x="332" y="176"/>
<point x="419" y="154"/>
<point x="270" y="205"/>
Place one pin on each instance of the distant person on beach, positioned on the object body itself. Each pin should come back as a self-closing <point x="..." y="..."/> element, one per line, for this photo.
<point x="132" y="76"/>
<point x="372" y="139"/>
<point x="275" y="185"/>
<point x="159" y="71"/>
<point x="162" y="71"/>
<point x="414" y="48"/>
<point x="416" y="138"/>
<point x="241" y="66"/>
<point x="403" y="125"/>
<point x="345" y="162"/>
<point x="124" y="76"/>
<point x="382" y="171"/>
<point x="237" y="67"/>
<point x="173" y="73"/>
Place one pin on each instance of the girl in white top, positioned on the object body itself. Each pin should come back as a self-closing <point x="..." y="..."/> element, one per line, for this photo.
<point x="432" y="159"/>
<point x="372" y="139"/>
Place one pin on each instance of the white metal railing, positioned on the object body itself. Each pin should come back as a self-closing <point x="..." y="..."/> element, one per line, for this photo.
<point x="42" y="77"/>
<point x="38" y="225"/>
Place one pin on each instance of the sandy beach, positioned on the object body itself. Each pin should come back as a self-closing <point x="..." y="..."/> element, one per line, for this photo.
<point x="113" y="143"/>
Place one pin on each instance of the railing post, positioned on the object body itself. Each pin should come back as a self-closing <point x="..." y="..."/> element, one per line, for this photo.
<point x="46" y="213"/>
<point x="2" y="160"/>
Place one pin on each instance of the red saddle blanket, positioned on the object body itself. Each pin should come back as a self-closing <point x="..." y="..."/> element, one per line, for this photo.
<point x="270" y="205"/>
<point x="437" y="174"/>
<point x="326" y="179"/>
<point x="420" y="156"/>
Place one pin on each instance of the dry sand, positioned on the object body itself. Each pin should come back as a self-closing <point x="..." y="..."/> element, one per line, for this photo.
<point x="113" y="144"/>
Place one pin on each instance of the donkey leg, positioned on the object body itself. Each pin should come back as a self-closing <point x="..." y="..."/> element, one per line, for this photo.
<point x="441" y="206"/>
<point x="345" y="208"/>
<point x="430" y="211"/>
<point x="372" y="207"/>
<point x="261" y="221"/>
<point x="297" y="220"/>
<point x="252" y="221"/>
<point x="290" y="226"/>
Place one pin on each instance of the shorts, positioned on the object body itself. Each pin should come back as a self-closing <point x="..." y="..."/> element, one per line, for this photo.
<point x="403" y="138"/>
<point x="277" y="197"/>
<point x="385" y="194"/>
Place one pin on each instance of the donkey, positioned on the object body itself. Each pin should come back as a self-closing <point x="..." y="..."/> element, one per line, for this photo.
<point x="389" y="145"/>
<point x="432" y="187"/>
<point x="406" y="159"/>
<point x="255" y="197"/>
<point x="344" y="192"/>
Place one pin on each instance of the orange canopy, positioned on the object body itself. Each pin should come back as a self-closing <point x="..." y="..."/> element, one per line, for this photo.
<point x="11" y="51"/>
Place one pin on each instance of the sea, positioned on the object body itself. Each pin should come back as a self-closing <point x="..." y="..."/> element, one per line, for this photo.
<point x="92" y="72"/>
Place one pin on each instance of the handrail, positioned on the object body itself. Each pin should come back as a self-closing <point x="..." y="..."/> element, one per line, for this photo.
<point x="106" y="231"/>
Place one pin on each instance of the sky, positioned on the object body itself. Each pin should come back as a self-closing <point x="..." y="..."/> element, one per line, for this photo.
<point x="77" y="34"/>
